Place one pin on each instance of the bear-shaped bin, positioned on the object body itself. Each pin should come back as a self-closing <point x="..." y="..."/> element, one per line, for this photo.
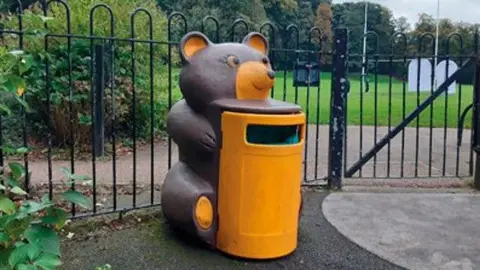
<point x="237" y="183"/>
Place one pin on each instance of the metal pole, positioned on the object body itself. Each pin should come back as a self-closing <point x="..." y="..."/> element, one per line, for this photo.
<point x="436" y="44"/>
<point x="98" y="102"/>
<point x="365" y="28"/>
<point x="337" y="109"/>
<point x="476" y="181"/>
<point x="476" y="113"/>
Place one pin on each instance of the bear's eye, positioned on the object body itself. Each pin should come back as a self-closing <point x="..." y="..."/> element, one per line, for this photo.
<point x="233" y="61"/>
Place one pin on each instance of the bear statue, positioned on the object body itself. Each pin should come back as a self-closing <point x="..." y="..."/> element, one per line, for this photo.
<point x="210" y="72"/>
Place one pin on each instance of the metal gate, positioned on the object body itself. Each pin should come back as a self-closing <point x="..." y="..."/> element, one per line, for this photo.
<point x="412" y="132"/>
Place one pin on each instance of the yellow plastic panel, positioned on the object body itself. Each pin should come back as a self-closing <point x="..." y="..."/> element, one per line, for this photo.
<point x="259" y="189"/>
<point x="204" y="212"/>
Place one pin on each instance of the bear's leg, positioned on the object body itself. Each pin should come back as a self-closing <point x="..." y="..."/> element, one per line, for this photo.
<point x="189" y="203"/>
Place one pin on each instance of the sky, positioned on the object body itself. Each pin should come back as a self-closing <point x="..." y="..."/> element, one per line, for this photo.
<point x="456" y="10"/>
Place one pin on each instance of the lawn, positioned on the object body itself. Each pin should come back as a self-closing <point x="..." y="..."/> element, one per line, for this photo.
<point x="284" y="90"/>
<point x="383" y="96"/>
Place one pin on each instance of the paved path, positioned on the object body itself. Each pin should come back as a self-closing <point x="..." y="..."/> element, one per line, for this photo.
<point x="416" y="231"/>
<point x="317" y="158"/>
<point x="153" y="246"/>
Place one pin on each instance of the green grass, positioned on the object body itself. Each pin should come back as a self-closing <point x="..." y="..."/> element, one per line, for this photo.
<point x="355" y="112"/>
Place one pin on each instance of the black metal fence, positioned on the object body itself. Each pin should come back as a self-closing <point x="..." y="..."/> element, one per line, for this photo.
<point x="419" y="129"/>
<point x="99" y="105"/>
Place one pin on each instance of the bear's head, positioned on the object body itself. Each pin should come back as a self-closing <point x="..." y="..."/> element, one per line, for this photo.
<point x="226" y="70"/>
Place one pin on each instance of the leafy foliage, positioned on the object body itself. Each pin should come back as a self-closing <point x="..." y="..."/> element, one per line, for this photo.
<point x="80" y="23"/>
<point x="255" y="12"/>
<point x="380" y="20"/>
<point x="63" y="103"/>
<point x="12" y="5"/>
<point x="29" y="228"/>
<point x="14" y="64"/>
<point x="56" y="93"/>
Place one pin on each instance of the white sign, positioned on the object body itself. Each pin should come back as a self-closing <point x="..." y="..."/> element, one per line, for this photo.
<point x="442" y="75"/>
<point x="424" y="83"/>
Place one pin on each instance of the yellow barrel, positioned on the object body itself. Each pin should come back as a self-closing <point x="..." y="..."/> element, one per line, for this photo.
<point x="259" y="188"/>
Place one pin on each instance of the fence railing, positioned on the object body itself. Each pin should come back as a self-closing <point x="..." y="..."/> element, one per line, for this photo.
<point x="99" y="104"/>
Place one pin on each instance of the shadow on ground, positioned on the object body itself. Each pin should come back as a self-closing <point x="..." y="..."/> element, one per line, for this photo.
<point x="153" y="245"/>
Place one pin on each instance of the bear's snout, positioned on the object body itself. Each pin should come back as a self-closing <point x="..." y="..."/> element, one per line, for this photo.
<point x="271" y="74"/>
<point x="260" y="75"/>
<point x="254" y="80"/>
<point x="263" y="79"/>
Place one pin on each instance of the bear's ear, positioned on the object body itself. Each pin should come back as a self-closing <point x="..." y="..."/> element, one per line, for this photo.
<point x="192" y="43"/>
<point x="257" y="41"/>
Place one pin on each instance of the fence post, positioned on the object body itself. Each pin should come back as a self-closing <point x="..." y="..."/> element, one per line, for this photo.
<point x="476" y="114"/>
<point x="98" y="102"/>
<point x="337" y="108"/>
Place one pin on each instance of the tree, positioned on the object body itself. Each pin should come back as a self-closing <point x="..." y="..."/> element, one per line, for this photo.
<point x="380" y="21"/>
<point x="324" y="23"/>
<point x="305" y="18"/>
<point x="425" y="24"/>
<point x="257" y="12"/>
<point x="467" y="31"/>
<point x="316" y="3"/>
<point x="402" y="25"/>
<point x="281" y="12"/>
<point x="254" y="12"/>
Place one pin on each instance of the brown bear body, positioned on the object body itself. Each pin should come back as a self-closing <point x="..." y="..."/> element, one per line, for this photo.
<point x="211" y="72"/>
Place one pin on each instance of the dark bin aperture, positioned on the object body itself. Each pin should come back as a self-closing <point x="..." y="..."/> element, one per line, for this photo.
<point x="271" y="135"/>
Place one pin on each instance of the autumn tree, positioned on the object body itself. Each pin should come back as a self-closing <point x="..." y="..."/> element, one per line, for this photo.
<point x="324" y="23"/>
<point x="316" y="3"/>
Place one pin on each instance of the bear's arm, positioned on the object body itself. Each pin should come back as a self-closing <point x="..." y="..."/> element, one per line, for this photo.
<point x="190" y="129"/>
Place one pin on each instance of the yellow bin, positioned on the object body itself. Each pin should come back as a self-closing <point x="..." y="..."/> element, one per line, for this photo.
<point x="259" y="185"/>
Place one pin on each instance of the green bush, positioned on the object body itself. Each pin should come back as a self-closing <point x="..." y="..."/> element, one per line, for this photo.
<point x="11" y="5"/>
<point x="57" y="120"/>
<point x="29" y="228"/>
<point x="80" y="23"/>
<point x="14" y="64"/>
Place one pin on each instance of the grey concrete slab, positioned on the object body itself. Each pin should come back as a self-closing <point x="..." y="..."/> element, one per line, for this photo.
<point x="416" y="231"/>
<point x="153" y="245"/>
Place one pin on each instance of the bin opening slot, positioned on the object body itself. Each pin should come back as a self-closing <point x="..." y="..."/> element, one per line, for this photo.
<point x="273" y="135"/>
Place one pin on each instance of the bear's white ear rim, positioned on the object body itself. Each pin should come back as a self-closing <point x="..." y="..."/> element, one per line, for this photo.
<point x="192" y="43"/>
<point x="257" y="41"/>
